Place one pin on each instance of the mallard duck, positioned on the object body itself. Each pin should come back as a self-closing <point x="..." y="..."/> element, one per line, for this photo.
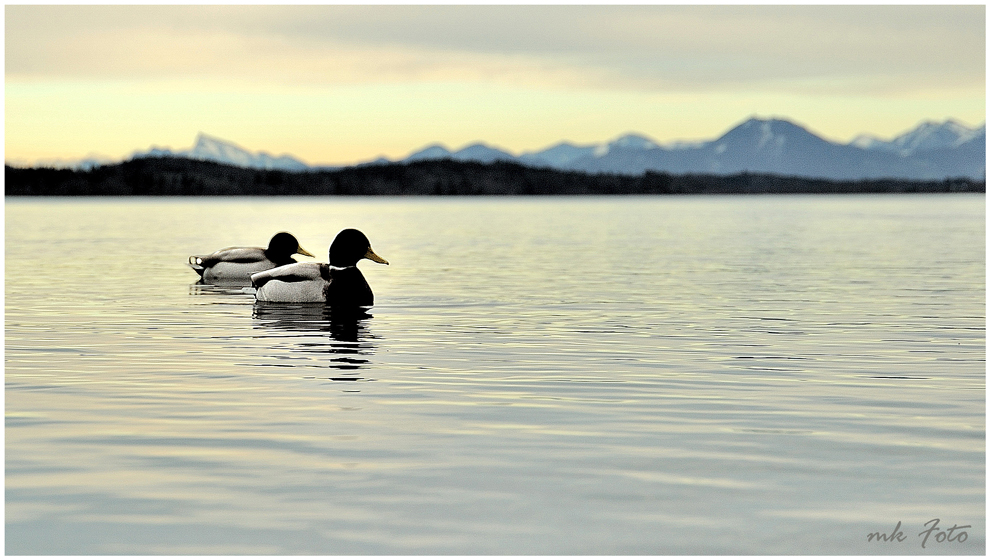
<point x="237" y="264"/>
<point x="337" y="283"/>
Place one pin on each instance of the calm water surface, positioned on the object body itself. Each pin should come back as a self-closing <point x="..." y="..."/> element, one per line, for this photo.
<point x="626" y="375"/>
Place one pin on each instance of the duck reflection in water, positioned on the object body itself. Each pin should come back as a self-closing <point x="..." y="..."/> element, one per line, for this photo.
<point x="348" y="340"/>
<point x="201" y="288"/>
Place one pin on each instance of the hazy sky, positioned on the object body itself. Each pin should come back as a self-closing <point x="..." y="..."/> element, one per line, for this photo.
<point x="340" y="84"/>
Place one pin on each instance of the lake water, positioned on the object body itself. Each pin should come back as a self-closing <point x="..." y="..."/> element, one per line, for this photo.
<point x="596" y="375"/>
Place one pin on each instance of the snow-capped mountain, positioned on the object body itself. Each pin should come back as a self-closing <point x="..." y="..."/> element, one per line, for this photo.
<point x="482" y="153"/>
<point x="435" y="151"/>
<point x="927" y="136"/>
<point x="931" y="151"/>
<point x="559" y="155"/>
<point x="781" y="147"/>
<point x="85" y="164"/>
<point x="627" y="142"/>
<point x="778" y="146"/>
<point x="475" y="152"/>
<point x="209" y="148"/>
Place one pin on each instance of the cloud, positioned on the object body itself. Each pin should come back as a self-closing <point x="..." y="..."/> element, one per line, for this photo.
<point x="805" y="49"/>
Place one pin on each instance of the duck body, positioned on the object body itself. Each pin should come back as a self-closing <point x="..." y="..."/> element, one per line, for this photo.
<point x="232" y="264"/>
<point x="314" y="283"/>
<point x="339" y="283"/>
<point x="237" y="264"/>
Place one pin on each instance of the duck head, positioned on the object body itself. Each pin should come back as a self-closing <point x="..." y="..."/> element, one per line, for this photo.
<point x="349" y="247"/>
<point x="283" y="245"/>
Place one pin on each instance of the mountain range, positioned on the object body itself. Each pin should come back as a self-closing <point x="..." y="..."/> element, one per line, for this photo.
<point x="931" y="151"/>
<point x="208" y="148"/>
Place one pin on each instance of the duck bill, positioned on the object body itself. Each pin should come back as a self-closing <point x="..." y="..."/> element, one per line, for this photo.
<point x="370" y="255"/>
<point x="302" y="251"/>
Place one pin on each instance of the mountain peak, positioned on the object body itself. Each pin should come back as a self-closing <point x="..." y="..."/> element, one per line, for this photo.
<point x="633" y="142"/>
<point x="775" y="124"/>
<point x="630" y="141"/>
<point x="927" y="135"/>
<point x="433" y="151"/>
<point x="559" y="155"/>
<point x="482" y="153"/>
<point x="206" y="139"/>
<point x="765" y="131"/>
<point x="211" y="148"/>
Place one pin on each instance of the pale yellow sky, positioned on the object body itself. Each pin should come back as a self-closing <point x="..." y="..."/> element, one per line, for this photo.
<point x="342" y="84"/>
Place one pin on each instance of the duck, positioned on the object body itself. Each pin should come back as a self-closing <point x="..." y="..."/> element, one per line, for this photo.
<point x="237" y="264"/>
<point x="338" y="282"/>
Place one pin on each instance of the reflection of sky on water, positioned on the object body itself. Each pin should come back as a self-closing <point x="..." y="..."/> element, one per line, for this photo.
<point x="343" y="334"/>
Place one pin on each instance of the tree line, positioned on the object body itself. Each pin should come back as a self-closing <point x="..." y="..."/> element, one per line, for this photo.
<point x="171" y="176"/>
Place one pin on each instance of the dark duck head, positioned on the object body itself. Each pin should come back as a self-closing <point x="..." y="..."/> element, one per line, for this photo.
<point x="349" y="247"/>
<point x="347" y="287"/>
<point x="281" y="248"/>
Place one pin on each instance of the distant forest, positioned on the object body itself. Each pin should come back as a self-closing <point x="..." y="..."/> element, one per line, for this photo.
<point x="169" y="176"/>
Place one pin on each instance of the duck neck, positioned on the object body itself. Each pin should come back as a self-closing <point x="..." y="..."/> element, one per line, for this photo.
<point x="279" y="258"/>
<point x="341" y="263"/>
